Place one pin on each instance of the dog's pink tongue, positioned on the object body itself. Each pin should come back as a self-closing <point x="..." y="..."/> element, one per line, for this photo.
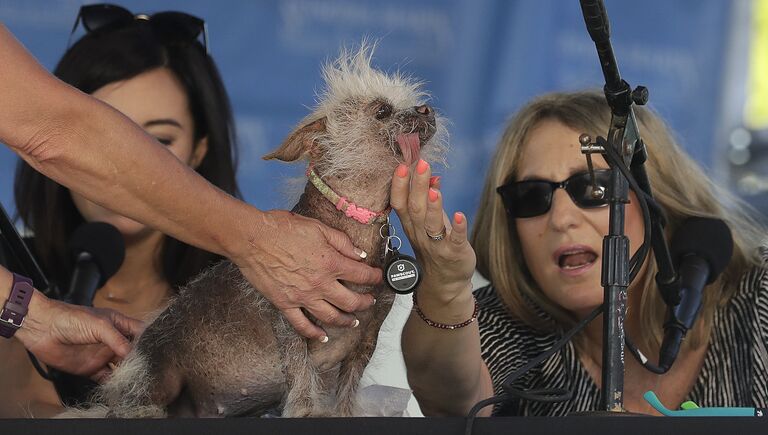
<point x="409" y="146"/>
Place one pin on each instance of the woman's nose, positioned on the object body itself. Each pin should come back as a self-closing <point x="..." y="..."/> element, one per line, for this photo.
<point x="563" y="213"/>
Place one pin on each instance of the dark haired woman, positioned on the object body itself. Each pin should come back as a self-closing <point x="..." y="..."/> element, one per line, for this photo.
<point x="167" y="84"/>
<point x="172" y="89"/>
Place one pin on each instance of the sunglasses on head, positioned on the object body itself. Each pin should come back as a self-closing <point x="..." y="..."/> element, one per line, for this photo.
<point x="169" y="26"/>
<point x="529" y="198"/>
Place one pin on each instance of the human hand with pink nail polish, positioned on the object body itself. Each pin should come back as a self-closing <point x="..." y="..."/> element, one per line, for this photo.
<point x="440" y="244"/>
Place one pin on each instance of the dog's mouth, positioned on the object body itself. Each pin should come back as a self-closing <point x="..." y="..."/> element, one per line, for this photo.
<point x="409" y="146"/>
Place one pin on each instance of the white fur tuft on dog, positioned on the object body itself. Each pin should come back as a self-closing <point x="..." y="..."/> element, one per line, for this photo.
<point x="351" y="75"/>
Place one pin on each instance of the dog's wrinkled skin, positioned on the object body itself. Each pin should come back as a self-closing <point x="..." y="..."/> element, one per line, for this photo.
<point x="220" y="348"/>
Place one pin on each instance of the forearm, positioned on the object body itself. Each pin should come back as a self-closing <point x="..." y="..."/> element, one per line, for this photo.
<point x="445" y="367"/>
<point x="100" y="154"/>
<point x="96" y="151"/>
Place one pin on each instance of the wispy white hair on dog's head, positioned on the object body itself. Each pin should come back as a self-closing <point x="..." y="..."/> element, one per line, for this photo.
<point x="351" y="75"/>
<point x="342" y="135"/>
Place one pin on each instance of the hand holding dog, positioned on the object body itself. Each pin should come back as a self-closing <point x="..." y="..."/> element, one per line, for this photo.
<point x="297" y="262"/>
<point x="78" y="340"/>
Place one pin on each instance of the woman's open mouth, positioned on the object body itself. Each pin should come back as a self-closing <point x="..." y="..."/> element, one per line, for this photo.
<point x="575" y="260"/>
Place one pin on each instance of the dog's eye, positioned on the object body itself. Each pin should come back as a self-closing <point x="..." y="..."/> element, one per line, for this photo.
<point x="384" y="111"/>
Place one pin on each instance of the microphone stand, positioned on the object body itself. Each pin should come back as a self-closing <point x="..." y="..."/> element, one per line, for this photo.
<point x="20" y="253"/>
<point x="624" y="138"/>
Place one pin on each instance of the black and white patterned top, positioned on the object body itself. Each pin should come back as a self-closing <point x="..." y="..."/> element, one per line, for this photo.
<point x="734" y="373"/>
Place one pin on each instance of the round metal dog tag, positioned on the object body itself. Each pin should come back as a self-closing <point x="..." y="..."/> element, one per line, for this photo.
<point x="403" y="273"/>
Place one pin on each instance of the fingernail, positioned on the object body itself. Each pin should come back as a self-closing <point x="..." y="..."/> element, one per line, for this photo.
<point x="421" y="167"/>
<point x="458" y="217"/>
<point x="401" y="171"/>
<point x="432" y="195"/>
<point x="360" y="253"/>
<point x="324" y="339"/>
<point x="356" y="323"/>
<point x="374" y="301"/>
<point x="434" y="180"/>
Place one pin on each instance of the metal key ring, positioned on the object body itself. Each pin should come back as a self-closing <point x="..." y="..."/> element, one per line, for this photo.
<point x="391" y="231"/>
<point x="389" y="247"/>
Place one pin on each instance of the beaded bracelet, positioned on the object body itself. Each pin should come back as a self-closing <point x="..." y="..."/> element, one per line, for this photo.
<point x="434" y="324"/>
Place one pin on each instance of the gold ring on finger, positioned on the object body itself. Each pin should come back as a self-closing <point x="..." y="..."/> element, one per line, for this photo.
<point x="436" y="237"/>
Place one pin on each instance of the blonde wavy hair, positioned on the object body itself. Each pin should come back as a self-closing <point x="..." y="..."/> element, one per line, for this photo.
<point x="679" y="185"/>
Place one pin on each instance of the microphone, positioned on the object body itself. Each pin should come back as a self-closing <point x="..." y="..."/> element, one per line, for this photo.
<point x="99" y="251"/>
<point x="702" y="248"/>
<point x="596" y="19"/>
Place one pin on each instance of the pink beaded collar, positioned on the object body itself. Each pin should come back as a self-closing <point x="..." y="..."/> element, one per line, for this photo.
<point x="350" y="209"/>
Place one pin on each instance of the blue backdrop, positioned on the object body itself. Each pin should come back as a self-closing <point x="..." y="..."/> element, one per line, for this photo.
<point x="481" y="59"/>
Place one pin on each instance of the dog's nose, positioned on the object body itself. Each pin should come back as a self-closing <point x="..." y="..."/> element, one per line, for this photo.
<point x="423" y="109"/>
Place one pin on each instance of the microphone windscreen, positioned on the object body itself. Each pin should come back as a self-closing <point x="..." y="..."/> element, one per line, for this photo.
<point x="105" y="244"/>
<point x="707" y="238"/>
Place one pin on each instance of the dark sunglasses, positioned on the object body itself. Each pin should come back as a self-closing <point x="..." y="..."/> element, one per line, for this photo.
<point x="169" y="26"/>
<point x="529" y="198"/>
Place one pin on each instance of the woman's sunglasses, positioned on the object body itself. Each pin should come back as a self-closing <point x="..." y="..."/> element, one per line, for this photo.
<point x="529" y="198"/>
<point x="169" y="26"/>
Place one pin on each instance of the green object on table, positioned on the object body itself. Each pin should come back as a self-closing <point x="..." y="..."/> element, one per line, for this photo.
<point x="689" y="405"/>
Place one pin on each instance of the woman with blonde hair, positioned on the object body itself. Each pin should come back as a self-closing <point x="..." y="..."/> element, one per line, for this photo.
<point x="541" y="248"/>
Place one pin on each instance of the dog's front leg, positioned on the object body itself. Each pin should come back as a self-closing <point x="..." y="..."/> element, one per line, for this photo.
<point x="349" y="377"/>
<point x="310" y="393"/>
<point x="354" y="364"/>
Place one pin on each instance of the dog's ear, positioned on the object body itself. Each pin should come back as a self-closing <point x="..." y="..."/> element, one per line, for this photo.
<point x="299" y="142"/>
